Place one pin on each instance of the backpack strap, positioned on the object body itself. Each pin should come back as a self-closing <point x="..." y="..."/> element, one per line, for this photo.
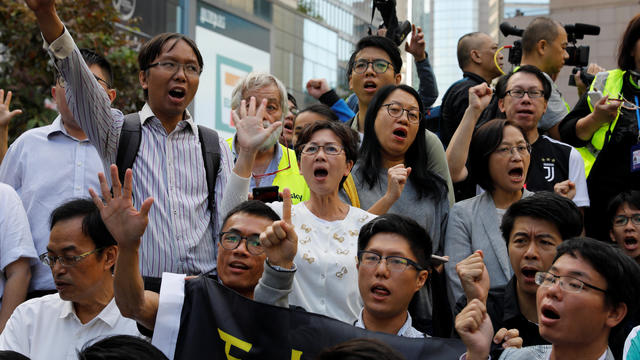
<point x="210" y="146"/>
<point x="129" y="143"/>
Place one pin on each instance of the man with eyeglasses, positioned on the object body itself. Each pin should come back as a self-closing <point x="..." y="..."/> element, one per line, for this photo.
<point x="81" y="254"/>
<point x="624" y="219"/>
<point x="169" y="163"/>
<point x="582" y="301"/>
<point x="286" y="138"/>
<point x="522" y="97"/>
<point x="532" y="228"/>
<point x="55" y="163"/>
<point x="241" y="256"/>
<point x="274" y="164"/>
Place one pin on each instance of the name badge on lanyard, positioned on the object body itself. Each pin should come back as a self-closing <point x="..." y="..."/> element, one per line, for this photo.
<point x="635" y="149"/>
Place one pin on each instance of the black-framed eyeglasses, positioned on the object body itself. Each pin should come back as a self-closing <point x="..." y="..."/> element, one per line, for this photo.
<point x="171" y="67"/>
<point x="329" y="148"/>
<point x="519" y="93"/>
<point x="65" y="260"/>
<point x="396" y="110"/>
<point x="394" y="263"/>
<point x="63" y="83"/>
<point x="622" y="220"/>
<point x="522" y="150"/>
<point x="567" y="283"/>
<point x="230" y="240"/>
<point x="380" y="66"/>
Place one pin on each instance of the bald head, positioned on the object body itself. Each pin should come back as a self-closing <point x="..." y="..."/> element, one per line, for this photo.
<point x="540" y="28"/>
<point x="475" y="54"/>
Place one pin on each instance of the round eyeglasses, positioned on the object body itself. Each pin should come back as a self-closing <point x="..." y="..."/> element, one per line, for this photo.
<point x="380" y="66"/>
<point x="230" y="240"/>
<point x="396" y="110"/>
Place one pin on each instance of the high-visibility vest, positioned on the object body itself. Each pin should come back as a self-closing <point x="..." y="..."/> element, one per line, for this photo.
<point x="608" y="83"/>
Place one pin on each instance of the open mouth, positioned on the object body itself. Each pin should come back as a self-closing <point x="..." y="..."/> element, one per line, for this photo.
<point x="238" y="265"/>
<point x="370" y="85"/>
<point x="288" y="125"/>
<point x="529" y="274"/>
<point x="550" y="313"/>
<point x="177" y="93"/>
<point x="400" y="132"/>
<point x="320" y="173"/>
<point x="516" y="173"/>
<point x="380" y="290"/>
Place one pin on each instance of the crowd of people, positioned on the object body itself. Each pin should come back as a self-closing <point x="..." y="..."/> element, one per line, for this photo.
<point x="511" y="222"/>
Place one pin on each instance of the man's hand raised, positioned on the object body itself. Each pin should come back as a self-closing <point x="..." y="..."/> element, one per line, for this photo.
<point x="280" y="240"/>
<point x="48" y="20"/>
<point x="474" y="277"/>
<point x="474" y="327"/>
<point x="250" y="130"/>
<point x="416" y="46"/>
<point x="5" y="114"/>
<point x="479" y="96"/>
<point x="123" y="221"/>
<point x="317" y="87"/>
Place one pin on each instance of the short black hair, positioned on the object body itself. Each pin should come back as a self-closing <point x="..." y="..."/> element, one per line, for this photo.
<point x="92" y="224"/>
<point x="385" y="44"/>
<point x="360" y="349"/>
<point x="93" y="58"/>
<point x="484" y="142"/>
<point x="153" y="48"/>
<point x="348" y="137"/>
<point x="466" y="43"/>
<point x="630" y="197"/>
<point x="501" y="86"/>
<point x="545" y="205"/>
<point x="628" y="42"/>
<point x="417" y="237"/>
<point x="121" y="347"/>
<point x="540" y="28"/>
<point x="292" y="99"/>
<point x="322" y="110"/>
<point x="252" y="207"/>
<point x="618" y="269"/>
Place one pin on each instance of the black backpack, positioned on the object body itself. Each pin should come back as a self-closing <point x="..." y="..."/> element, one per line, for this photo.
<point x="130" y="138"/>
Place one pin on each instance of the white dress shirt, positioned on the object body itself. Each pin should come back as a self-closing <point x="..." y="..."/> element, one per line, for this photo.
<point x="181" y="234"/>
<point x="15" y="237"/>
<point x="47" y="167"/>
<point x="47" y="328"/>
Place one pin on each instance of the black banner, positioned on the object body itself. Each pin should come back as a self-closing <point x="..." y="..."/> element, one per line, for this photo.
<point x="217" y="323"/>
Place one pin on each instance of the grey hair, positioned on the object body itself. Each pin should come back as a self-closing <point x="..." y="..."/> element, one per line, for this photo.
<point x="257" y="80"/>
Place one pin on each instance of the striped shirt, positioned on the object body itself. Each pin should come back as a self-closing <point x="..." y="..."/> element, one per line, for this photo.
<point x="181" y="234"/>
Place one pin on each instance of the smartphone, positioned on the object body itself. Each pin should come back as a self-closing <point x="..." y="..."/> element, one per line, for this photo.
<point x="437" y="260"/>
<point x="266" y="194"/>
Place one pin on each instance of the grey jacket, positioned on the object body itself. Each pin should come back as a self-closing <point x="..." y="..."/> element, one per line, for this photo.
<point x="473" y="225"/>
<point x="537" y="352"/>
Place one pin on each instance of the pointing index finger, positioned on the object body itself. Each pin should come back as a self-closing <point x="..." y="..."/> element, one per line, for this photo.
<point x="286" y="205"/>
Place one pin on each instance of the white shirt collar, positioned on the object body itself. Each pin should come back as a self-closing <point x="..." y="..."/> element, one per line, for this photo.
<point x="406" y="330"/>
<point x="146" y="113"/>
<point x="109" y="314"/>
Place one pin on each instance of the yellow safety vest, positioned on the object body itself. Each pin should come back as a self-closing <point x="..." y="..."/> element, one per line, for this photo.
<point x="289" y="178"/>
<point x="608" y="83"/>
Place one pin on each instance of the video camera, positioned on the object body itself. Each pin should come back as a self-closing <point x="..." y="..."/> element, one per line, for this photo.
<point x="395" y="31"/>
<point x="578" y="55"/>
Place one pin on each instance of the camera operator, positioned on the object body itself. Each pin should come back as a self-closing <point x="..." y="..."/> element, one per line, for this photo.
<point x="605" y="124"/>
<point x="544" y="44"/>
